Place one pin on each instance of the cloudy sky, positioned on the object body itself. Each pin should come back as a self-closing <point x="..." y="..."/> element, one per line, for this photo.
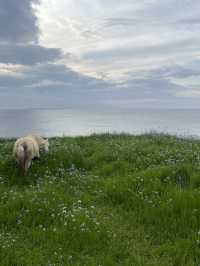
<point x="106" y="53"/>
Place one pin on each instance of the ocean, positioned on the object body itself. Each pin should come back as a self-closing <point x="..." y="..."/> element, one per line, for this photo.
<point x="74" y="122"/>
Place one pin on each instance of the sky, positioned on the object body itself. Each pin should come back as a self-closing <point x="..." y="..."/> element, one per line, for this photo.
<point x="99" y="53"/>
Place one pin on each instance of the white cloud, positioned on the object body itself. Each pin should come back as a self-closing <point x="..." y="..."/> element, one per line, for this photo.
<point x="123" y="52"/>
<point x="94" y="31"/>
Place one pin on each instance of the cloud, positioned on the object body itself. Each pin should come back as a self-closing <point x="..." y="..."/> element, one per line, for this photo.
<point x="133" y="36"/>
<point x="56" y="86"/>
<point x="48" y="85"/>
<point x="46" y="76"/>
<point x="145" y="50"/>
<point x="145" y="53"/>
<point x="19" y="33"/>
<point x="173" y="72"/>
<point x="120" y="21"/>
<point x="18" y="22"/>
<point x="27" y="54"/>
<point x="189" y="21"/>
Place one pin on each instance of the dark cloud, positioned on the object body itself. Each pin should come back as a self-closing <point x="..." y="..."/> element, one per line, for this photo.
<point x="45" y="76"/>
<point x="27" y="54"/>
<point x="51" y="85"/>
<point x="18" y="22"/>
<point x="19" y="34"/>
<point x="48" y="85"/>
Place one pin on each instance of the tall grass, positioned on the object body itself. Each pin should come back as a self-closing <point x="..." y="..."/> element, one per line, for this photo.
<point x="103" y="200"/>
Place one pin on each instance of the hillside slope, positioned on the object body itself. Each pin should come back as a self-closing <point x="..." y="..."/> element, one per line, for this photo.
<point x="103" y="200"/>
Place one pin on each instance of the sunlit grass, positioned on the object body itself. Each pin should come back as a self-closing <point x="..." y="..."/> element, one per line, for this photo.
<point x="103" y="200"/>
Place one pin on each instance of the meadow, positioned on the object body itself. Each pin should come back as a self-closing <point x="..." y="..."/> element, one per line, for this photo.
<point x="103" y="200"/>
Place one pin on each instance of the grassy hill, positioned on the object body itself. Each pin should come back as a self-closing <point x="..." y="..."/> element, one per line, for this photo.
<point x="103" y="200"/>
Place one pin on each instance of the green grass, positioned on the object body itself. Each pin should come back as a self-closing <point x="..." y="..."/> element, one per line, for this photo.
<point x="103" y="200"/>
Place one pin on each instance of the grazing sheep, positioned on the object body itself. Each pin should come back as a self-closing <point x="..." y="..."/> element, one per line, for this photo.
<point x="27" y="148"/>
